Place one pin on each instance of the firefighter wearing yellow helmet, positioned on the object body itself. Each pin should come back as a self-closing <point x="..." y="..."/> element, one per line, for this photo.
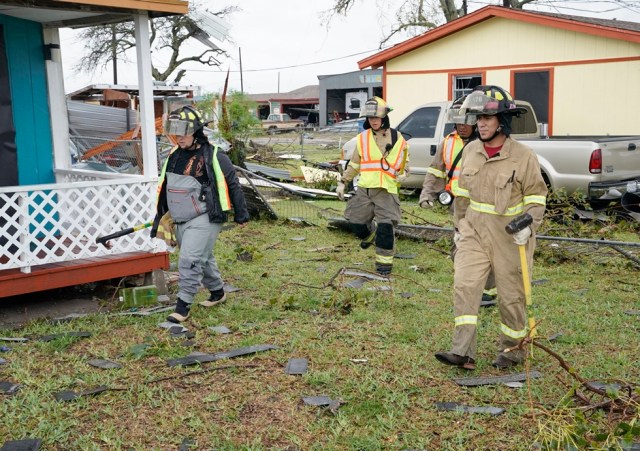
<point x="500" y="180"/>
<point x="381" y="158"/>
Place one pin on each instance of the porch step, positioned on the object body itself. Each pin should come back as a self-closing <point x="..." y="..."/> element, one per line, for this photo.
<point x="77" y="272"/>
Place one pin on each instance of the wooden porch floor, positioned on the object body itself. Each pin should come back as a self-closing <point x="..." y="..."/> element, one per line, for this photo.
<point x="77" y="272"/>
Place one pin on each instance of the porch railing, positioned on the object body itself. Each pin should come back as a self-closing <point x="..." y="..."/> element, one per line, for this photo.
<point x="60" y="222"/>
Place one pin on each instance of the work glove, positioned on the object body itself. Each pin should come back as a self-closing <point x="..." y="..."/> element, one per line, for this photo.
<point x="167" y="231"/>
<point x="521" y="237"/>
<point x="456" y="237"/>
<point x="340" y="190"/>
<point x="403" y="176"/>
<point x="426" y="204"/>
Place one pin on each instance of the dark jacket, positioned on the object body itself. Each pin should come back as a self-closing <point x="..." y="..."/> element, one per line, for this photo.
<point x="214" y="210"/>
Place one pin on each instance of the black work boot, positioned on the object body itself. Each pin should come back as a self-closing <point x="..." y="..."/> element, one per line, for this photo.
<point x="384" y="269"/>
<point x="449" y="358"/>
<point x="181" y="313"/>
<point x="488" y="300"/>
<point x="368" y="241"/>
<point x="502" y="362"/>
<point x="217" y="297"/>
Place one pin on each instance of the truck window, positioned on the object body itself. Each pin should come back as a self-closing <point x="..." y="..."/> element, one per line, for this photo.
<point x="448" y="128"/>
<point x="422" y="123"/>
<point x="286" y="117"/>
<point x="525" y="124"/>
<point x="272" y="117"/>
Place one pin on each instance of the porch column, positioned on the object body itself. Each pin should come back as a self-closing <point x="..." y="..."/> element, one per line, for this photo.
<point x="145" y="84"/>
<point x="57" y="103"/>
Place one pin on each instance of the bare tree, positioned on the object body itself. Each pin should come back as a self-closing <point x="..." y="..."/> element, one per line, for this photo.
<point x="110" y="43"/>
<point x="417" y="16"/>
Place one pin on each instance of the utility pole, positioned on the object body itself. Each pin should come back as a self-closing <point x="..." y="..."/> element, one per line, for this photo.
<point x="240" y="58"/>
<point x="114" y="55"/>
<point x="278" y="82"/>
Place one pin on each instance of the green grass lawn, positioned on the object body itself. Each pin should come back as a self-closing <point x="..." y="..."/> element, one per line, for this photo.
<point x="371" y="348"/>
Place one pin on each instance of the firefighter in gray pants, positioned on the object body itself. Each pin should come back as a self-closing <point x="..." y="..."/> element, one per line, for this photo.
<point x="198" y="186"/>
<point x="381" y="157"/>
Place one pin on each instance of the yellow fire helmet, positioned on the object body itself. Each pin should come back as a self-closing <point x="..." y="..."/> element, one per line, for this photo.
<point x="375" y="107"/>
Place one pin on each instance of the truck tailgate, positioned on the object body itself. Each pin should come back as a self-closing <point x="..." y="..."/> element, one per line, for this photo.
<point x="620" y="157"/>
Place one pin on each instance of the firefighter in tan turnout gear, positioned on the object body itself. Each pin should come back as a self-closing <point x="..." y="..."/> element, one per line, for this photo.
<point x="381" y="158"/>
<point x="500" y="180"/>
<point x="442" y="175"/>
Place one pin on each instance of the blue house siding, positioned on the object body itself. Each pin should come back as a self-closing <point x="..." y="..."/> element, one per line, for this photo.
<point x="31" y="115"/>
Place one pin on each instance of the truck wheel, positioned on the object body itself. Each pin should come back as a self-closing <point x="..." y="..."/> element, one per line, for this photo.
<point x="272" y="130"/>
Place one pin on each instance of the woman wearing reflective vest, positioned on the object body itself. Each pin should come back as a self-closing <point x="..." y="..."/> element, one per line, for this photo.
<point x="500" y="180"/>
<point x="198" y="186"/>
<point x="381" y="158"/>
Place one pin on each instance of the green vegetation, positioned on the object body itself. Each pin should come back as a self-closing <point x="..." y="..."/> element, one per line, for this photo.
<point x="370" y="347"/>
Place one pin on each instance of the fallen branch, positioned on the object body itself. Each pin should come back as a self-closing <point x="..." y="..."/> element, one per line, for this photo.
<point x="205" y="370"/>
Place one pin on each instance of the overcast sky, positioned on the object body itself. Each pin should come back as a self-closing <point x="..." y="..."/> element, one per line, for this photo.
<point x="285" y="46"/>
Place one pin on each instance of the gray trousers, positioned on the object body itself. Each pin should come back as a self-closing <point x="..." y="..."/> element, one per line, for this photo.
<point x="196" y="263"/>
<point x="375" y="203"/>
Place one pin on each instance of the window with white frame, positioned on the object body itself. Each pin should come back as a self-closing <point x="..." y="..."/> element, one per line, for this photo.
<point x="464" y="84"/>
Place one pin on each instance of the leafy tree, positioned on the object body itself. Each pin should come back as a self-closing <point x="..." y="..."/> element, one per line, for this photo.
<point x="239" y="122"/>
<point x="109" y="43"/>
<point x="417" y="16"/>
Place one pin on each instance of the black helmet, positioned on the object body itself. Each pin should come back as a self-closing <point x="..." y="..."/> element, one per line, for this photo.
<point x="490" y="100"/>
<point x="184" y="121"/>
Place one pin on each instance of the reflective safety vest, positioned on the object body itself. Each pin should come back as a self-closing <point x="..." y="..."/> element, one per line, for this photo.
<point x="221" y="182"/>
<point x="453" y="144"/>
<point x="376" y="171"/>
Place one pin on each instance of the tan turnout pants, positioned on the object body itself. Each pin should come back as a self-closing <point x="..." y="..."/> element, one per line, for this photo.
<point x="481" y="249"/>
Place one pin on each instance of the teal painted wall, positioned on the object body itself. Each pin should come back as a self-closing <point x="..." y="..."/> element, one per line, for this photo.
<point x="31" y="116"/>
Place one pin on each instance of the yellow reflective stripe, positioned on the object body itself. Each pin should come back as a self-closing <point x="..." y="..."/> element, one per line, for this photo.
<point x="386" y="259"/>
<point x="517" y="334"/>
<point x="221" y="182"/>
<point x="163" y="173"/>
<point x="400" y="156"/>
<point x="460" y="192"/>
<point x="542" y="200"/>
<point x="491" y="209"/>
<point x="435" y="172"/>
<point x="466" y="319"/>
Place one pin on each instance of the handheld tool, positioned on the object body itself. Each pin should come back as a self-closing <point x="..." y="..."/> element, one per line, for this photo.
<point x="512" y="228"/>
<point x="104" y="239"/>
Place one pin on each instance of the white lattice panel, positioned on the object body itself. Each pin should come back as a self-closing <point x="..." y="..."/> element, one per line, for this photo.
<point x="61" y="222"/>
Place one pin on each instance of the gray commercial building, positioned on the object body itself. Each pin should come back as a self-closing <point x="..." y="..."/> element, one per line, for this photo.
<point x="341" y="95"/>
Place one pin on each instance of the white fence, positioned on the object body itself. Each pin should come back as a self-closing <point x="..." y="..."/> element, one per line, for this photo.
<point x="60" y="222"/>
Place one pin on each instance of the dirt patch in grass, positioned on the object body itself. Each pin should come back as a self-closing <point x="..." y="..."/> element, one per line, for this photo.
<point x="17" y="311"/>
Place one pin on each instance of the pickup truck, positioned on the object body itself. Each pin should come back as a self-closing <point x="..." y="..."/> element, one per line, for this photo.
<point x="281" y="122"/>
<point x="601" y="167"/>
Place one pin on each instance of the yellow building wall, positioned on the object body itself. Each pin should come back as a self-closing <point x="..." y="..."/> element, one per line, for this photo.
<point x="500" y="46"/>
<point x="597" y="99"/>
<point x="405" y="93"/>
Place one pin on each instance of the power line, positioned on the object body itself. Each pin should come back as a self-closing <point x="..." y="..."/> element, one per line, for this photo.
<point x="297" y="65"/>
